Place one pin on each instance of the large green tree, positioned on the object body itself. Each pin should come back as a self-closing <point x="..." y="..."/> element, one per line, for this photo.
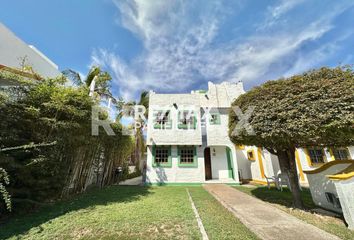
<point x="311" y="109"/>
<point x="46" y="145"/>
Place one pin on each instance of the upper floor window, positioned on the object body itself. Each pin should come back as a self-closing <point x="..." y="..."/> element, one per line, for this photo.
<point x="340" y="153"/>
<point x="215" y="119"/>
<point x="162" y="119"/>
<point x="187" y="120"/>
<point x="316" y="155"/>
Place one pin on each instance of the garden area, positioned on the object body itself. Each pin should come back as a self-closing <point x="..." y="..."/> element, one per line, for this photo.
<point x="129" y="212"/>
<point x="283" y="200"/>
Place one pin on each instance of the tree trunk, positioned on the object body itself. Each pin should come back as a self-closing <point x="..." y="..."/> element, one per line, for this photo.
<point x="287" y="165"/>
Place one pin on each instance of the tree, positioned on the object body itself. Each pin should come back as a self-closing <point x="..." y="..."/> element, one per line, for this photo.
<point x="138" y="135"/>
<point x="46" y="146"/>
<point x="312" y="109"/>
<point x="95" y="77"/>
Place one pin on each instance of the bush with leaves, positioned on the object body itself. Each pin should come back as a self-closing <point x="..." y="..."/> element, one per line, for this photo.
<point x="312" y="109"/>
<point x="46" y="143"/>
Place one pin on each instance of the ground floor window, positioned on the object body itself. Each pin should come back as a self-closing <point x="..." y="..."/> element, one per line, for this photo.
<point x="340" y="153"/>
<point x="316" y="155"/>
<point x="161" y="156"/>
<point x="187" y="156"/>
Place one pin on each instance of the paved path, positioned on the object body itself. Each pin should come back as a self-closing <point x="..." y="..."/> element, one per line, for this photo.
<point x="265" y="220"/>
<point x="133" y="181"/>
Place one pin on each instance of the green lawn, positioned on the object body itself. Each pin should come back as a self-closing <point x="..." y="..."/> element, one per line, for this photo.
<point x="217" y="220"/>
<point x="283" y="200"/>
<point x="129" y="212"/>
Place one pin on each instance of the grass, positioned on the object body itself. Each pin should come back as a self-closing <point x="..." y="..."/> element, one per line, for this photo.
<point x="128" y="212"/>
<point x="283" y="200"/>
<point x="218" y="222"/>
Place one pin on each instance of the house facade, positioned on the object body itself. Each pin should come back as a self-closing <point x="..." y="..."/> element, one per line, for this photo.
<point x="187" y="136"/>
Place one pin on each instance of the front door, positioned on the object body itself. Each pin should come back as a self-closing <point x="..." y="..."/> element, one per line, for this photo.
<point x="207" y="163"/>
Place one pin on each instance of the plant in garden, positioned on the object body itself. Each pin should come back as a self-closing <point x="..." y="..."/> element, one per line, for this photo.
<point x="138" y="134"/>
<point x="311" y="109"/>
<point x="46" y="144"/>
<point x="4" y="180"/>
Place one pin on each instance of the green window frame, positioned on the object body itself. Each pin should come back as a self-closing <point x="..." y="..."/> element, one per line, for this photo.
<point x="185" y="154"/>
<point x="192" y="122"/>
<point x="164" y="122"/>
<point x="159" y="152"/>
<point x="215" y="119"/>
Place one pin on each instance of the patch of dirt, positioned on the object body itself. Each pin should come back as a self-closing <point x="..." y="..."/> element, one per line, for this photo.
<point x="80" y="233"/>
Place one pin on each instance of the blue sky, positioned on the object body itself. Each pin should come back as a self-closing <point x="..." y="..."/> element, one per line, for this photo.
<point x="177" y="46"/>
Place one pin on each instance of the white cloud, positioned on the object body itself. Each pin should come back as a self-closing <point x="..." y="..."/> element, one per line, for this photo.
<point x="181" y="49"/>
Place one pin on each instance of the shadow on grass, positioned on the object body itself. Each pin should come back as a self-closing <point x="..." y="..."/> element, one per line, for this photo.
<point x="113" y="194"/>
<point x="273" y="195"/>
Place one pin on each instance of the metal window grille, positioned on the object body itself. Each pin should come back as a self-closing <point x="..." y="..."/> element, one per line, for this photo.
<point x="161" y="155"/>
<point x="316" y="155"/>
<point x="340" y="154"/>
<point x="187" y="155"/>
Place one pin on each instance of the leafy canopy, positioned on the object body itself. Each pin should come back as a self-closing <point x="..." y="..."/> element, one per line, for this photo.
<point x="314" y="108"/>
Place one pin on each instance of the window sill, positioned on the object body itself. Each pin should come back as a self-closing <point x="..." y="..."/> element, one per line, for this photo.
<point x="187" y="165"/>
<point x="162" y="165"/>
<point x="186" y="127"/>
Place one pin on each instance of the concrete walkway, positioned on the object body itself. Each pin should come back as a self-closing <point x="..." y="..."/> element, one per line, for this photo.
<point x="265" y="220"/>
<point x="133" y="181"/>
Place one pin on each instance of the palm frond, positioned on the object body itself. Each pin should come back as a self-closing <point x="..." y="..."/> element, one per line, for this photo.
<point x="73" y="76"/>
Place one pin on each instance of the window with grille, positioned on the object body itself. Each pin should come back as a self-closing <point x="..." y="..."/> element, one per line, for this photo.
<point x="187" y="155"/>
<point x="162" y="120"/>
<point x="316" y="155"/>
<point x="214" y="119"/>
<point x="186" y="120"/>
<point x="340" y="154"/>
<point x="161" y="155"/>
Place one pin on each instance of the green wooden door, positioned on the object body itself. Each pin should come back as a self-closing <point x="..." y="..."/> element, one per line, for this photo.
<point x="229" y="163"/>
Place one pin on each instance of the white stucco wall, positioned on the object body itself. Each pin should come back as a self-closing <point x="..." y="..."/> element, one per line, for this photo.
<point x="174" y="136"/>
<point x="320" y="184"/>
<point x="345" y="191"/>
<point x="244" y="165"/>
<point x="218" y="134"/>
<point x="13" y="49"/>
<point x="219" y="167"/>
<point x="175" y="174"/>
<point x="351" y="151"/>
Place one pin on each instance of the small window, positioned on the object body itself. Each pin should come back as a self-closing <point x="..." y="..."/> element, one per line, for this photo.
<point x="161" y="156"/>
<point x="187" y="157"/>
<point x="186" y="120"/>
<point x="250" y="155"/>
<point x="316" y="155"/>
<point x="162" y="120"/>
<point x="340" y="154"/>
<point x="215" y="119"/>
<point x="333" y="199"/>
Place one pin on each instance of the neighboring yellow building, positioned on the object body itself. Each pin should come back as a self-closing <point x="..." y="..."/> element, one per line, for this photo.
<point x="255" y="164"/>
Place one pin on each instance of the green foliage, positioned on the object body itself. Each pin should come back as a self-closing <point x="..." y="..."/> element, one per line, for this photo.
<point x="38" y="114"/>
<point x="314" y="108"/>
<point x="4" y="180"/>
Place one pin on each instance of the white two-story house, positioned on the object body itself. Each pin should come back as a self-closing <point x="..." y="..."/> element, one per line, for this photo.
<point x="187" y="136"/>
